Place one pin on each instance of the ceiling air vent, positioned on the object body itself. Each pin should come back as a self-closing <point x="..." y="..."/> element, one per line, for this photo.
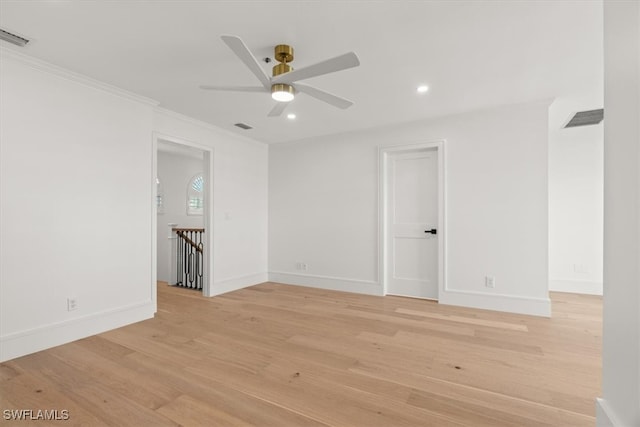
<point x="12" y="38"/>
<point x="586" y="118"/>
<point x="243" y="126"/>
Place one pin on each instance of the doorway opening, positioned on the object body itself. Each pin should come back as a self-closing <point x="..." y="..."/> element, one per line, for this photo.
<point x="182" y="214"/>
<point x="412" y="226"/>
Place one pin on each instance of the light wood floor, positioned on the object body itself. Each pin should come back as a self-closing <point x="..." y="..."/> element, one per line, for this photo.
<point x="291" y="356"/>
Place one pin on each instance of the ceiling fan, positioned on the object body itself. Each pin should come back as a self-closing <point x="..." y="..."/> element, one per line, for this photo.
<point x="283" y="85"/>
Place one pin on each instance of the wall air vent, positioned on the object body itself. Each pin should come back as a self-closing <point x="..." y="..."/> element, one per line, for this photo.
<point x="243" y="126"/>
<point x="12" y="38"/>
<point x="586" y="118"/>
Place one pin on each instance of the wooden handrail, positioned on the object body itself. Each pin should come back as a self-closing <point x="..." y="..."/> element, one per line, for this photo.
<point x="182" y="234"/>
<point x="201" y="230"/>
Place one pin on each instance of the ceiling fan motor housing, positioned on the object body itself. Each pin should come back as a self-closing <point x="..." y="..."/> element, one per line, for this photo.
<point x="281" y="91"/>
<point x="283" y="53"/>
<point x="281" y="69"/>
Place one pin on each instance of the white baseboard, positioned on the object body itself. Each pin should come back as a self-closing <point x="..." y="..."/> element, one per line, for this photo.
<point x="508" y="303"/>
<point x="497" y="302"/>
<point x="327" y="282"/>
<point x="30" y="341"/>
<point x="234" y="283"/>
<point x="575" y="286"/>
<point x="605" y="416"/>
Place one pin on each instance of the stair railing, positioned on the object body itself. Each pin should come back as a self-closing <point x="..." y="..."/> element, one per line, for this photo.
<point x="189" y="260"/>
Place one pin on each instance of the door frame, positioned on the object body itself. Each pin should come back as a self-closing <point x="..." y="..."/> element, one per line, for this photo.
<point x="383" y="239"/>
<point x="207" y="214"/>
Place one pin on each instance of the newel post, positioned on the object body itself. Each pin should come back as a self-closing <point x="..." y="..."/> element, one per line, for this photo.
<point x="173" y="253"/>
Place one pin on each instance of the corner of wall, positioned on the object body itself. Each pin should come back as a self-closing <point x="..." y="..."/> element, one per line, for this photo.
<point x="604" y="415"/>
<point x="497" y="302"/>
<point x="341" y="284"/>
<point x="575" y="286"/>
<point x="234" y="283"/>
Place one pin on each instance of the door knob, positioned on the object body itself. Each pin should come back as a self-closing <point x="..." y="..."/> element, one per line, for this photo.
<point x="432" y="231"/>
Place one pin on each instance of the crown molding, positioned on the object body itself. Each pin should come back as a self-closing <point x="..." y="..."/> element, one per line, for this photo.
<point x="209" y="126"/>
<point x="64" y="73"/>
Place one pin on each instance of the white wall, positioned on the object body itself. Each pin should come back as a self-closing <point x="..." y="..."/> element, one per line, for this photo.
<point x="75" y="208"/>
<point x="76" y="205"/>
<point x="575" y="204"/>
<point x="620" y="403"/>
<point x="323" y="207"/>
<point x="576" y="186"/>
<point x="175" y="171"/>
<point x="240" y="200"/>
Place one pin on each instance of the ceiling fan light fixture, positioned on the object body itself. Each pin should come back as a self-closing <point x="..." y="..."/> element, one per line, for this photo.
<point x="282" y="92"/>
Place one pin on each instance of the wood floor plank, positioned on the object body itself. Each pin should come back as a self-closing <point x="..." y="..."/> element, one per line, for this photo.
<point x="525" y="409"/>
<point x="128" y="383"/>
<point x="187" y="410"/>
<point x="463" y="319"/>
<point x="280" y="355"/>
<point x="223" y="397"/>
<point x="30" y="391"/>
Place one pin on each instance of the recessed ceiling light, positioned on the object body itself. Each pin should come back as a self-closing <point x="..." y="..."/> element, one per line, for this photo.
<point x="423" y="88"/>
<point x="291" y="116"/>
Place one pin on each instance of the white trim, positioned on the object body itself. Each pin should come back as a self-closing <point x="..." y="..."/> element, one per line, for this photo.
<point x="209" y="126"/>
<point x="343" y="284"/>
<point x="575" y="286"/>
<point x="32" y="340"/>
<point x="208" y="287"/>
<point x="207" y="173"/>
<point x="154" y="222"/>
<point x="40" y="65"/>
<point x="234" y="283"/>
<point x="180" y="141"/>
<point x="605" y="417"/>
<point x="497" y="302"/>
<point x="383" y="154"/>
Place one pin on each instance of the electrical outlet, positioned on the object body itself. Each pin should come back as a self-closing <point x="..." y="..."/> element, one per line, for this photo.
<point x="72" y="303"/>
<point x="303" y="266"/>
<point x="490" y="281"/>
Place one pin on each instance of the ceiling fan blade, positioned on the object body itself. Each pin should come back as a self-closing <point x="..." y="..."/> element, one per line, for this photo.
<point x="234" y="88"/>
<point x="342" y="62"/>
<point x="242" y="51"/>
<point x="327" y="97"/>
<point x="278" y="109"/>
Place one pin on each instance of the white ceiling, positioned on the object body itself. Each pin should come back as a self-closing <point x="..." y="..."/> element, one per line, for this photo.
<point x="472" y="54"/>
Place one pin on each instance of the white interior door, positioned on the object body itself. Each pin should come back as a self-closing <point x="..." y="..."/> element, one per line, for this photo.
<point x="412" y="222"/>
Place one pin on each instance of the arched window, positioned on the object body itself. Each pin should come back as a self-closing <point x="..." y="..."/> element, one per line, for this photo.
<point x="195" y="195"/>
